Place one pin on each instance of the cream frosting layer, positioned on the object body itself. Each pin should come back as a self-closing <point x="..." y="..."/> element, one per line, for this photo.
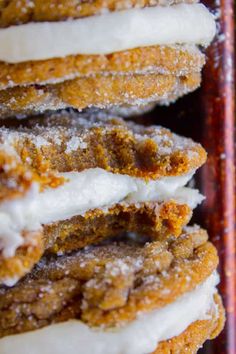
<point x="139" y="337"/>
<point x="189" y="24"/>
<point x="83" y="191"/>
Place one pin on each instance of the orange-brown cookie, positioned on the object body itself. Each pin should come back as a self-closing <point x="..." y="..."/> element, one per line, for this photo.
<point x="57" y="10"/>
<point x="24" y="259"/>
<point x="144" y="60"/>
<point x="93" y="53"/>
<point x="195" y="335"/>
<point x="36" y="149"/>
<point x="159" y="220"/>
<point x="118" y="284"/>
<point x="76" y="182"/>
<point x="188" y="342"/>
<point x="98" y="91"/>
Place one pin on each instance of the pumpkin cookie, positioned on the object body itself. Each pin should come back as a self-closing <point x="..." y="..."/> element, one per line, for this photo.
<point x="104" y="92"/>
<point x="71" y="181"/>
<point x="130" y="296"/>
<point x="59" y="54"/>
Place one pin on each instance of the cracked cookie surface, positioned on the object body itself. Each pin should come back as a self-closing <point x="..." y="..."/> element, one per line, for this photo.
<point x="109" y="284"/>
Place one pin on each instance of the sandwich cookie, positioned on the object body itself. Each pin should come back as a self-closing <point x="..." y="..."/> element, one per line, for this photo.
<point x="67" y="182"/>
<point x="129" y="297"/>
<point x="99" y="53"/>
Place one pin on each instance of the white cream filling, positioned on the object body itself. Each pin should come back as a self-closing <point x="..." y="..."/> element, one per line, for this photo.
<point x="190" y="24"/>
<point x="83" y="191"/>
<point x="139" y="337"/>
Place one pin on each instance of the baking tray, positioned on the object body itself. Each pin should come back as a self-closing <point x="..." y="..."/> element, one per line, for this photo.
<point x="208" y="117"/>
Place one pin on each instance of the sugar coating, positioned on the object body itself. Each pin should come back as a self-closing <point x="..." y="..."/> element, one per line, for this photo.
<point x="100" y="91"/>
<point x="75" y="129"/>
<point x="177" y="60"/>
<point x="109" y="285"/>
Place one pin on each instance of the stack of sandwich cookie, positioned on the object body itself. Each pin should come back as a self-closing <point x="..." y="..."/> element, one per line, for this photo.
<point x="99" y="53"/>
<point x="96" y="255"/>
